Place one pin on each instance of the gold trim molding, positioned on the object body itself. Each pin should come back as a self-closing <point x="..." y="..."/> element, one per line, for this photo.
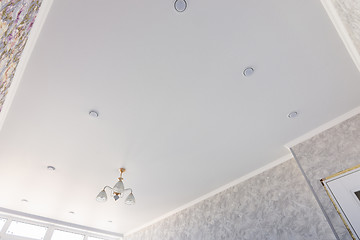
<point x="332" y="200"/>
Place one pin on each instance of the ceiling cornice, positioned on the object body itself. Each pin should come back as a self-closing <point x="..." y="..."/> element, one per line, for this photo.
<point x="25" y="56"/>
<point x="323" y="127"/>
<point x="216" y="191"/>
<point x="344" y="15"/>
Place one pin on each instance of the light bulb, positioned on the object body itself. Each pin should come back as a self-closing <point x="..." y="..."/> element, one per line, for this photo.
<point x="119" y="187"/>
<point x="180" y="5"/>
<point x="101" y="197"/>
<point x="130" y="199"/>
<point x="116" y="197"/>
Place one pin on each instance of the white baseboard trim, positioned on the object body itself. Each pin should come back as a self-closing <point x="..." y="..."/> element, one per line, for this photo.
<point x="216" y="191"/>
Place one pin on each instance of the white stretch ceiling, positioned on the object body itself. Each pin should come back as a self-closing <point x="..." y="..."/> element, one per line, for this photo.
<point x="174" y="107"/>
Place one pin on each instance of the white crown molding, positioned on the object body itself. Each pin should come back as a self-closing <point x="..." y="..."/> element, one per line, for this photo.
<point x="341" y="29"/>
<point x="323" y="127"/>
<point x="25" y="56"/>
<point x="283" y="159"/>
<point x="216" y="191"/>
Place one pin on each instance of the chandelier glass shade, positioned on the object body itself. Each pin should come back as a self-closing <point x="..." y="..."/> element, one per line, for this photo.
<point x="102" y="196"/>
<point x="130" y="199"/>
<point x="118" y="191"/>
<point x="119" y="187"/>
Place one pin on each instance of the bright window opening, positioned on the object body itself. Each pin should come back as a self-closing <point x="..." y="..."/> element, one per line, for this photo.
<point x="26" y="230"/>
<point x="94" y="238"/>
<point x="62" y="235"/>
<point x="2" y="223"/>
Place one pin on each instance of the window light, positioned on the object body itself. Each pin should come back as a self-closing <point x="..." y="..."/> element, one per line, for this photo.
<point x="26" y="230"/>
<point x="62" y="235"/>
<point x="2" y="223"/>
<point x="95" y="238"/>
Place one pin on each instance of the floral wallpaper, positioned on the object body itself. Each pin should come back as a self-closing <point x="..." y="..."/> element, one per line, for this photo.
<point x="16" y="20"/>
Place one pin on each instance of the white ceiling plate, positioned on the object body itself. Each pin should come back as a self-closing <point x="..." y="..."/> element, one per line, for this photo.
<point x="175" y="109"/>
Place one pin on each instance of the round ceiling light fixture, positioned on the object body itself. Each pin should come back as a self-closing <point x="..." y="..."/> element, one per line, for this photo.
<point x="51" y="168"/>
<point x="94" y="114"/>
<point x="180" y="5"/>
<point x="248" y="71"/>
<point x="293" y="114"/>
<point x="24" y="200"/>
<point x="72" y="212"/>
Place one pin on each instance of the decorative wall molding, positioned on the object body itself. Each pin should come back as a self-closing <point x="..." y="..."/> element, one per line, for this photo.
<point x="10" y="83"/>
<point x="347" y="24"/>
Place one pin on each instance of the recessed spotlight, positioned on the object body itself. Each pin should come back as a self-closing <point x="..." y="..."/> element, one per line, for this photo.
<point x="180" y="5"/>
<point x="51" y="168"/>
<point x="24" y="200"/>
<point x="293" y="114"/>
<point x="248" y="71"/>
<point x="109" y="221"/>
<point x="93" y="114"/>
<point x="71" y="212"/>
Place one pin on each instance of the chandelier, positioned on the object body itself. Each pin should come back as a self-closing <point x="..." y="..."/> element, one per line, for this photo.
<point x="118" y="191"/>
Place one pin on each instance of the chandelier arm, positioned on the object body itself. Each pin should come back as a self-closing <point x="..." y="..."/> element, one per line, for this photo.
<point x="128" y="189"/>
<point x="108" y="187"/>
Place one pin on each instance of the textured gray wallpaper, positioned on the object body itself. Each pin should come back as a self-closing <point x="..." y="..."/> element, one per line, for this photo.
<point x="275" y="205"/>
<point x="330" y="152"/>
<point x="349" y="13"/>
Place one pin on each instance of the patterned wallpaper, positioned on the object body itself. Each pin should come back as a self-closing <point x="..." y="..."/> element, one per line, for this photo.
<point x="349" y="13"/>
<point x="275" y="205"/>
<point x="17" y="19"/>
<point x="327" y="153"/>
